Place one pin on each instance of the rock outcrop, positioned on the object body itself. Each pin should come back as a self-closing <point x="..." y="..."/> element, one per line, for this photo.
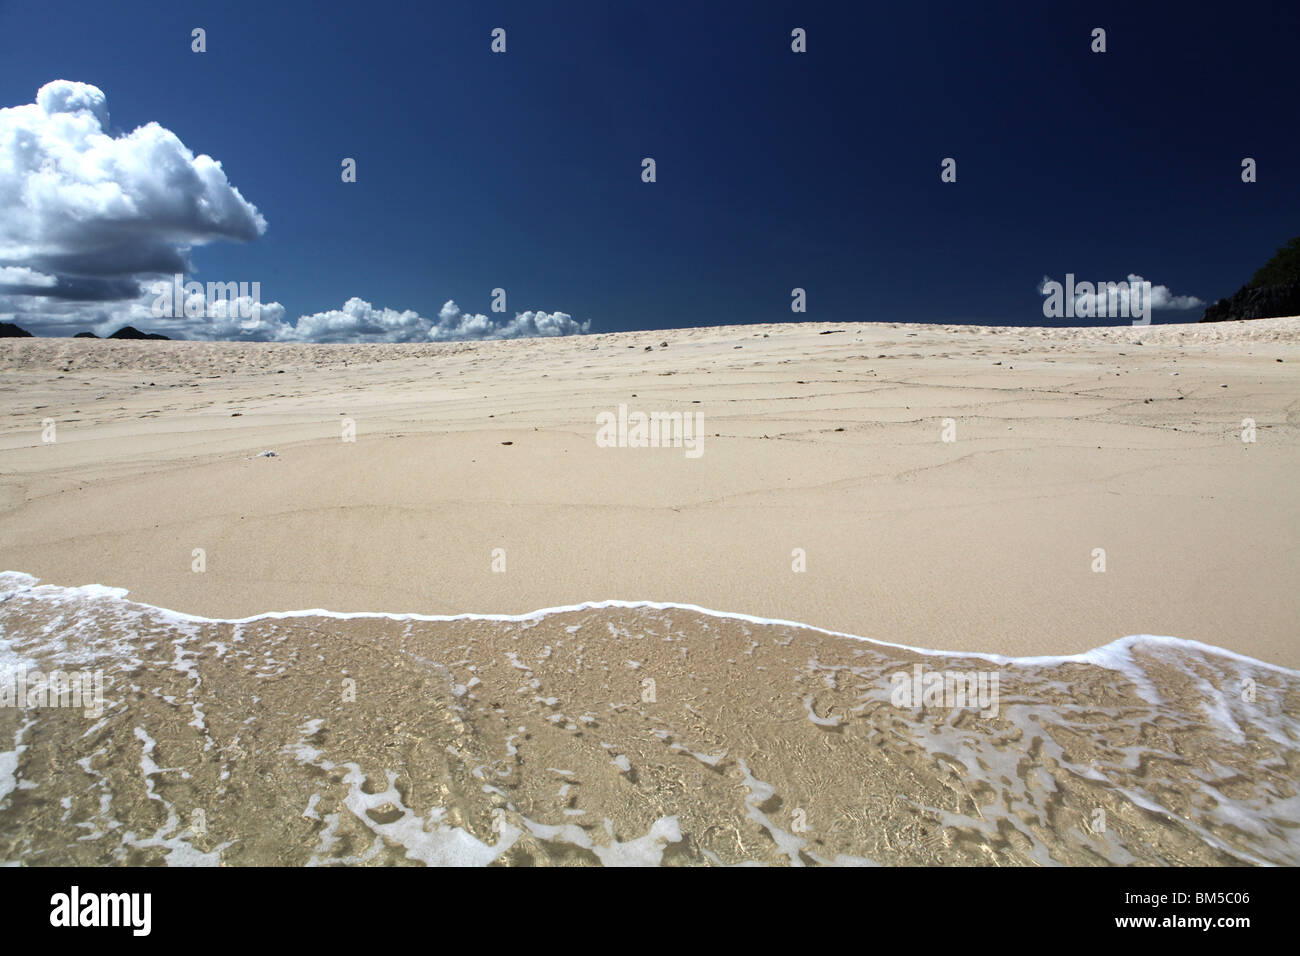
<point x="1274" y="290"/>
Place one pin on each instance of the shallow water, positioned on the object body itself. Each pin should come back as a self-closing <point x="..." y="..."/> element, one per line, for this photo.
<point x="624" y="734"/>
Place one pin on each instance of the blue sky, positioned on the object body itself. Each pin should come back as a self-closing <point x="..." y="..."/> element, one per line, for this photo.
<point x="819" y="170"/>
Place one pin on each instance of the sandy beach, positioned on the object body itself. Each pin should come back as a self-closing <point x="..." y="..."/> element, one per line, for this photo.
<point x="826" y="438"/>
<point x="357" y="509"/>
<point x="999" y="500"/>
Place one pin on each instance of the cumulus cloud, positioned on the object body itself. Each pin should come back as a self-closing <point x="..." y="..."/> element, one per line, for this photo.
<point x="239" y="317"/>
<point x="1094" y="298"/>
<point x="92" y="220"/>
<point x="453" y="324"/>
<point x="359" y="321"/>
<point x="87" y="213"/>
<point x="1163" y="298"/>
<point x="247" y="317"/>
<point x="97" y="204"/>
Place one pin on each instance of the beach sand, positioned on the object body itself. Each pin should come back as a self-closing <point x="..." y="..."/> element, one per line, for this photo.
<point x="630" y="734"/>
<point x="1066" y="441"/>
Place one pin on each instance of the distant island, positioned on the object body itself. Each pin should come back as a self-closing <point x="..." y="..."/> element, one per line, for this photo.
<point x="130" y="332"/>
<point x="1273" y="291"/>
<point x="9" y="330"/>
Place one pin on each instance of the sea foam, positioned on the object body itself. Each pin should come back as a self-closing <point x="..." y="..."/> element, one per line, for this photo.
<point x="734" y="740"/>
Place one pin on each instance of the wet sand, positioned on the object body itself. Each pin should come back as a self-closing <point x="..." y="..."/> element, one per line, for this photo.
<point x="627" y="735"/>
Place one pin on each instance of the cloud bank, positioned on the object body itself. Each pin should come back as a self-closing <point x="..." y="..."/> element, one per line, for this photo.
<point x="92" y="219"/>
<point x="453" y="324"/>
<point x="356" y="321"/>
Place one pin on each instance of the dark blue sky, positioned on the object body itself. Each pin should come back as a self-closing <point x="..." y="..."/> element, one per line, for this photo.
<point x="775" y="170"/>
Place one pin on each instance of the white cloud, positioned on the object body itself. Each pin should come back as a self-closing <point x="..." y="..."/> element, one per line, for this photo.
<point x="25" y="277"/>
<point x="453" y="324"/>
<point x="93" y="213"/>
<point x="242" y="317"/>
<point x="1163" y="298"/>
<point x="91" y="219"/>
<point x="247" y="318"/>
<point x="1095" y="299"/>
<point x="357" y="321"/>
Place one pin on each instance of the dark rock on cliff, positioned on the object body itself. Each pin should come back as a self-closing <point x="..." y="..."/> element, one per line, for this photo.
<point x="1273" y="291"/>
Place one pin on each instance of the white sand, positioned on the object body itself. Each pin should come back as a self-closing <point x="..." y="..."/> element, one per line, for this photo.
<point x="1080" y="439"/>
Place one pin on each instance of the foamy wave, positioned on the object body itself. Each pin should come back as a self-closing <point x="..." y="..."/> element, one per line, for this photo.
<point x="625" y="732"/>
<point x="1114" y="655"/>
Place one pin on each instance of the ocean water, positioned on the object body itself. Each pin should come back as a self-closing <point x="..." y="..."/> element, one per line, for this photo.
<point x="623" y="734"/>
